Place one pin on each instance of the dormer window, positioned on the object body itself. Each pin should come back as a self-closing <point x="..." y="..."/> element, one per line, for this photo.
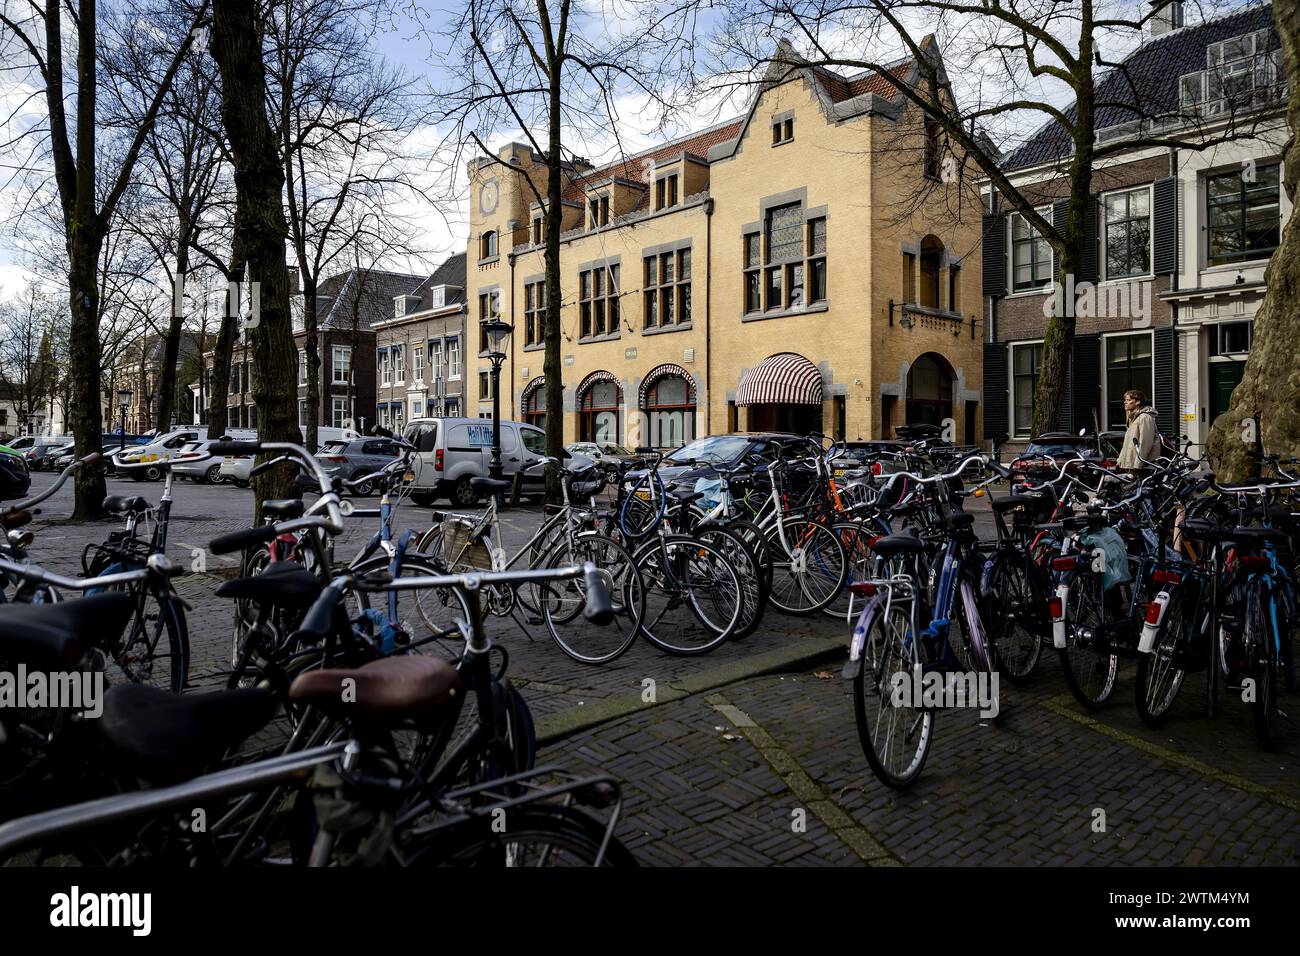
<point x="782" y="131"/>
<point x="666" y="191"/>
<point x="599" y="211"/>
<point x="404" y="305"/>
<point x="437" y="297"/>
<point x="487" y="245"/>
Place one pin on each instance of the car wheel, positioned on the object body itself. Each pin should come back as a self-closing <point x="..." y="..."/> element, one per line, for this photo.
<point x="240" y="484"/>
<point x="422" y="500"/>
<point x="363" y="490"/>
<point x="463" y="495"/>
<point x="213" y="475"/>
<point x="152" y="473"/>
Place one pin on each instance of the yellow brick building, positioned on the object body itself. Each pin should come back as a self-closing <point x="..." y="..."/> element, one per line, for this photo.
<point x="807" y="266"/>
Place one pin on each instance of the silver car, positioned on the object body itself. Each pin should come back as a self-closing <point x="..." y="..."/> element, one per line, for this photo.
<point x="196" y="463"/>
<point x="236" y="469"/>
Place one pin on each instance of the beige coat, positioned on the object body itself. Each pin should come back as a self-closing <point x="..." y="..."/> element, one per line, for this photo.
<point x="1142" y="426"/>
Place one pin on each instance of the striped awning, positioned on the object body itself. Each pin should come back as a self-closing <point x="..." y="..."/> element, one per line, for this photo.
<point x="786" y="378"/>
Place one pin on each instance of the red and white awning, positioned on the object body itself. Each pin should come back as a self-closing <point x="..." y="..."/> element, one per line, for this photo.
<point x="786" y="378"/>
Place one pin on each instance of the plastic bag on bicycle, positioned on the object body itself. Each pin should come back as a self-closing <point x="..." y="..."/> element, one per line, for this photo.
<point x="1114" y="554"/>
<point x="711" y="488"/>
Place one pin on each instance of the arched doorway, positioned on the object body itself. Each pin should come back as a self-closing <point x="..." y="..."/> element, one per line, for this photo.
<point x="929" y="390"/>
<point x="600" y="401"/>
<point x="782" y="393"/>
<point x="533" y="403"/>
<point x="668" y="400"/>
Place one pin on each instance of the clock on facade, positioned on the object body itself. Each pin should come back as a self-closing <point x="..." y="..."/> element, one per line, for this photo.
<point x="488" y="195"/>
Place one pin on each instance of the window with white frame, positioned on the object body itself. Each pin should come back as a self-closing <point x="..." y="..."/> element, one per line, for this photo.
<point x="302" y="366"/>
<point x="1230" y="338"/>
<point x="417" y="362"/>
<point x="453" y="358"/>
<point x="342" y="364"/>
<point x="1026" y="358"/>
<point x="339" y="412"/>
<point x="417" y="408"/>
<point x="399" y="364"/>
<point x="1031" y="255"/>
<point x="435" y="360"/>
<point x="385" y="369"/>
<point x="1127" y="232"/>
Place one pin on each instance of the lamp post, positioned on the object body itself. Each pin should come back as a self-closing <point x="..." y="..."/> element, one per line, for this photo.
<point x="497" y="332"/>
<point x="123" y="400"/>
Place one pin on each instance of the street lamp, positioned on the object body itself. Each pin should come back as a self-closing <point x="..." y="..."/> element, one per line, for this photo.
<point x="123" y="400"/>
<point x="496" y="332"/>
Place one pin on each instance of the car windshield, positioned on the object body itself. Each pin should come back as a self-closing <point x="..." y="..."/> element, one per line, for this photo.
<point x="612" y="449"/>
<point x="1058" y="449"/>
<point x="719" y="448"/>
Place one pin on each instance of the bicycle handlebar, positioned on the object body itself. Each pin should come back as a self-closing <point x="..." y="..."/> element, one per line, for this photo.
<point x="157" y="564"/>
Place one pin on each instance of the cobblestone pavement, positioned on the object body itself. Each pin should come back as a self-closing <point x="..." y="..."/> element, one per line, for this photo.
<point x="732" y="768"/>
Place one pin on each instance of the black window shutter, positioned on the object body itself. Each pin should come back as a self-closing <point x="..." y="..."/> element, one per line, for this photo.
<point x="995" y="257"/>
<point x="1088" y="265"/>
<point x="1065" y="411"/>
<point x="1164" y="200"/>
<point x="995" y="390"/>
<point x="1165" y="382"/>
<point x="1086" y="364"/>
<point x="1060" y="211"/>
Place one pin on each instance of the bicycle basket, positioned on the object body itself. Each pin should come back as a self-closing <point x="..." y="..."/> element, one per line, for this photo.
<point x="459" y="551"/>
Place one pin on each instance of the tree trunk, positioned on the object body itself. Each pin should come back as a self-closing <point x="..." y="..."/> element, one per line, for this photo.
<point x="1265" y="411"/>
<point x="260" y="233"/>
<point x="172" y="344"/>
<point x="85" y="413"/>
<point x="312" y="347"/>
<point x="552" y="366"/>
<point x="222" y="356"/>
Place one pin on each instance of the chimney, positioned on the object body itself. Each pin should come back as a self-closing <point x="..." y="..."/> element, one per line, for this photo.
<point x="1168" y="16"/>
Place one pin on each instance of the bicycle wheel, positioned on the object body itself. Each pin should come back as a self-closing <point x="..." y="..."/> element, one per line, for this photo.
<point x="1160" y="673"/>
<point x="895" y="738"/>
<point x="155" y="647"/>
<point x="640" y="516"/>
<point x="750" y="572"/>
<point x="530" y="836"/>
<point x="808" y="574"/>
<point x="753" y="536"/>
<point x="860" y="562"/>
<point x="1090" y="669"/>
<point x="693" y="596"/>
<point x="1013" y="616"/>
<point x="562" y="602"/>
<point x="420" y="612"/>
<point x="1262" y="663"/>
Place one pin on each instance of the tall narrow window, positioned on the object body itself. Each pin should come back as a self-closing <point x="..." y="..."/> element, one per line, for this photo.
<point x="534" y="312"/>
<point x="1128" y="233"/>
<point x="817" y="260"/>
<point x="909" y="277"/>
<point x="753" y="293"/>
<point x="954" y="287"/>
<point x="931" y="157"/>
<point x="488" y="245"/>
<point x="667" y="296"/>
<point x="1025" y="362"/>
<point x="1031" y="256"/>
<point x="598" y="301"/>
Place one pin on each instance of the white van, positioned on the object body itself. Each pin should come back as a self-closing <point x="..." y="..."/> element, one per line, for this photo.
<point x="143" y="462"/>
<point x="451" y="451"/>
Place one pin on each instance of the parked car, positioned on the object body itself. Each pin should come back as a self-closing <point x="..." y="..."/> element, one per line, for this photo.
<point x="195" y="462"/>
<point x="1050" y="450"/>
<point x="22" y="444"/>
<point x="52" y="454"/>
<point x="107" y="447"/>
<point x="608" y="454"/>
<point x="236" y="469"/>
<point x="15" y="476"/>
<point x="857" y="454"/>
<point x="356" y="458"/>
<point x="756" y="449"/>
<point x="37" y="451"/>
<point x="452" y="451"/>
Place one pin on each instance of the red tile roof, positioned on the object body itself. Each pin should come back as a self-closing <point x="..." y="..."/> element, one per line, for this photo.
<point x="846" y="88"/>
<point x="697" y="144"/>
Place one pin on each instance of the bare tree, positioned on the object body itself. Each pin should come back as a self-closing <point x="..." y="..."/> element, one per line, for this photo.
<point x="1019" y="64"/>
<point x="39" y="31"/>
<point x="260" y="231"/>
<point x="548" y="71"/>
<point x="28" y="371"/>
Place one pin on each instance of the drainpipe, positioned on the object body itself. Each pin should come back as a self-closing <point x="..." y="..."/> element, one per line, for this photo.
<point x="513" y="345"/>
<point x="708" y="314"/>
<point x="1173" y="308"/>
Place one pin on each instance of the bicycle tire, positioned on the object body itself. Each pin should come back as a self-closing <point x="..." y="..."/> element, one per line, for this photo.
<point x="1262" y="664"/>
<point x="1159" y="677"/>
<point x="550" y="828"/>
<point x="670" y="588"/>
<point x="811" y="574"/>
<point x="562" y="602"/>
<point x="1015" y="626"/>
<point x="437" y="609"/>
<point x="750" y="573"/>
<point x="1082" y="665"/>
<point x="884" y="657"/>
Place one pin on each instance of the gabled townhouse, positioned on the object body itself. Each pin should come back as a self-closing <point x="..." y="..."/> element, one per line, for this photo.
<point x="764" y="273"/>
<point x="419" y="350"/>
<point x="1177" y="239"/>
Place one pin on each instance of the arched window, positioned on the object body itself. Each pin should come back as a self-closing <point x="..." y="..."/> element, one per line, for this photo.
<point x="487" y="245"/>
<point x="929" y="390"/>
<point x="534" y="403"/>
<point x="670" y="407"/>
<point x="931" y="266"/>
<point x="599" y="401"/>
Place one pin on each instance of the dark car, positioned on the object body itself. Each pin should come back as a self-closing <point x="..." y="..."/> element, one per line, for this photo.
<point x="357" y="458"/>
<point x="15" y="479"/>
<point x="756" y="449"/>
<point x="858" y="454"/>
<point x="1050" y="450"/>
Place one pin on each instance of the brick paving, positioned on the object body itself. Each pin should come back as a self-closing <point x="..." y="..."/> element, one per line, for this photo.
<point x="769" y="770"/>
